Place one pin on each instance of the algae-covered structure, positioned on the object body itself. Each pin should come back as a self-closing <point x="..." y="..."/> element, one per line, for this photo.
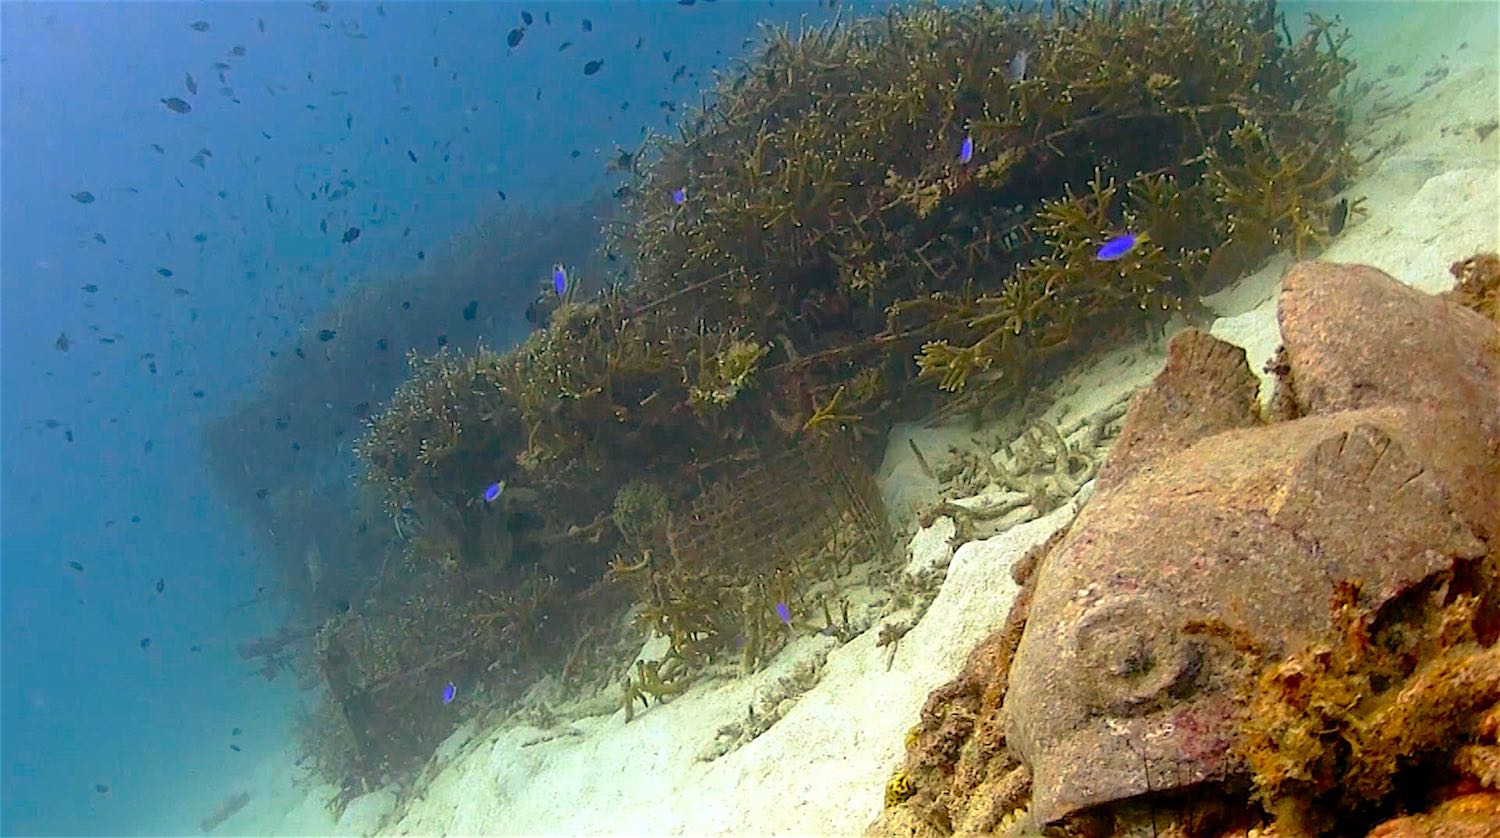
<point x="869" y="221"/>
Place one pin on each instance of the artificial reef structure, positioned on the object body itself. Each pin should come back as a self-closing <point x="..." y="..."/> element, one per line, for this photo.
<point x="1283" y="620"/>
<point x="872" y="221"/>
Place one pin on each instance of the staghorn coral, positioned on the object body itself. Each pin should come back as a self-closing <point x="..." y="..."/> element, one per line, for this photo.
<point x="640" y="513"/>
<point x="1277" y="191"/>
<point x="723" y="374"/>
<point x="832" y="232"/>
<point x="831" y="237"/>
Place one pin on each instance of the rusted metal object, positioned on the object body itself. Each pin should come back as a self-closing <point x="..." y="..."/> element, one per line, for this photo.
<point x="1214" y="540"/>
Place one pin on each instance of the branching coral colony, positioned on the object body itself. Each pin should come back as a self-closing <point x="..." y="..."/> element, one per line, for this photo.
<point x="869" y="209"/>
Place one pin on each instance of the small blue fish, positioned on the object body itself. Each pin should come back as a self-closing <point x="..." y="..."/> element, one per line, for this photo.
<point x="966" y="151"/>
<point x="679" y="196"/>
<point x="1016" y="70"/>
<point x="784" y="613"/>
<point x="449" y="692"/>
<point x="559" y="280"/>
<point x="1119" y="246"/>
<point x="492" y="491"/>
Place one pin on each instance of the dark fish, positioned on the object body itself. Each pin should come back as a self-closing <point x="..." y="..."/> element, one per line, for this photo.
<point x="238" y="51"/>
<point x="260" y="23"/>
<point x="158" y="149"/>
<point x="1016" y="70"/>
<point x="192" y="86"/>
<point x="99" y="237"/>
<point x="679" y="72"/>
<point x="588" y="25"/>
<point x="350" y="235"/>
<point x="323" y="226"/>
<point x="199" y="26"/>
<point x="260" y="494"/>
<point x="76" y="566"/>
<point x="176" y="105"/>
<point x="164" y="271"/>
<point x="102" y="788"/>
<point x="411" y="154"/>
<point x="514" y="38"/>
<point x="1338" y="217"/>
<point x="145" y="642"/>
<point x="526" y="17"/>
<point x="501" y="193"/>
<point x="83" y="197"/>
<point x="666" y="55"/>
<point x="547" y="18"/>
<point x="564" y="45"/>
<point x="321" y="6"/>
<point x="200" y="237"/>
<point x="686" y="2"/>
<point x="195" y="648"/>
<point x="91" y="288"/>
<point x="471" y="310"/>
<point x="592" y="67"/>
<point x="62" y="343"/>
<point x="235" y="732"/>
<point x="382" y="344"/>
<point x="235" y="748"/>
<point x="326" y="335"/>
<point x="575" y="154"/>
<point x="161" y="585"/>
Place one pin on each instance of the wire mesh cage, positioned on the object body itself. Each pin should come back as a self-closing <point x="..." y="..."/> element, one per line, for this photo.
<point x="784" y="507"/>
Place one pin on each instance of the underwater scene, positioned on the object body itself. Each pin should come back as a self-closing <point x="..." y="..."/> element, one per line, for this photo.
<point x="689" y="418"/>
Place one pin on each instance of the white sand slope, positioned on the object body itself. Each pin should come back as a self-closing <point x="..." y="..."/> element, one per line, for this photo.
<point x="1432" y="191"/>
<point x="819" y="770"/>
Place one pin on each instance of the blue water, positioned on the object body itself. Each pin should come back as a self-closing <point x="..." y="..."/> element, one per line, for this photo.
<point x="316" y="96"/>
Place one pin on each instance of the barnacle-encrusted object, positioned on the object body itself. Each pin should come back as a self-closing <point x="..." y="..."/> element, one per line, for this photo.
<point x="1219" y="618"/>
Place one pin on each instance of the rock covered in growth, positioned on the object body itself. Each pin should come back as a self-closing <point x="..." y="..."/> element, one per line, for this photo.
<point x="1216" y="546"/>
<point x="1357" y="338"/>
<point x="1206" y="387"/>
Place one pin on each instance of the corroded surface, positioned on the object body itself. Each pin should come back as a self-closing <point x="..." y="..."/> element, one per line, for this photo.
<point x="1194" y="556"/>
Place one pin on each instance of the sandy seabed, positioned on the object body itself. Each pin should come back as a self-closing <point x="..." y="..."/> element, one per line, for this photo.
<point x="1430" y="181"/>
